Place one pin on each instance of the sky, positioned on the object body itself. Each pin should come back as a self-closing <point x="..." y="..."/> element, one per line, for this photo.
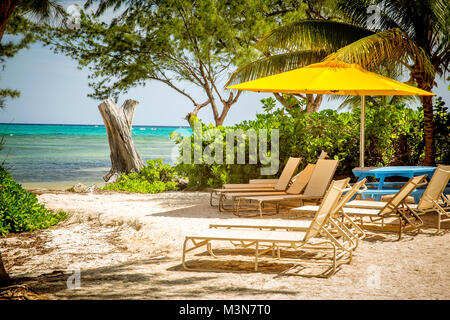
<point x="53" y="90"/>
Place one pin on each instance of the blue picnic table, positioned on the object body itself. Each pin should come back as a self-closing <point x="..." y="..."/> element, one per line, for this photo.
<point x="381" y="173"/>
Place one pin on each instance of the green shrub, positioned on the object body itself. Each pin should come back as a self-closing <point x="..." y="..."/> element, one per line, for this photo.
<point x="20" y="210"/>
<point x="156" y="177"/>
<point x="393" y="136"/>
<point x="442" y="131"/>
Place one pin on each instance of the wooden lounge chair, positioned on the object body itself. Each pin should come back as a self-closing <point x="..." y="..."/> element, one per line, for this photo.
<point x="354" y="232"/>
<point x="281" y="184"/>
<point x="395" y="208"/>
<point x="299" y="182"/>
<point x="315" y="190"/>
<point x="432" y="200"/>
<point x="266" y="241"/>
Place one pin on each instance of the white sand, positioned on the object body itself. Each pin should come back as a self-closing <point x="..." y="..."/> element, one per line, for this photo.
<point x="128" y="246"/>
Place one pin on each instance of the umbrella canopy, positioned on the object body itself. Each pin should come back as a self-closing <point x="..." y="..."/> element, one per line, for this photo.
<point x="336" y="78"/>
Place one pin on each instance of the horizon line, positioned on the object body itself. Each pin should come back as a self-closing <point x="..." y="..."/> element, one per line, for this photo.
<point x="87" y="125"/>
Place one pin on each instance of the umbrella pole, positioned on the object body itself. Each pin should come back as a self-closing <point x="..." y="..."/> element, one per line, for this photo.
<point x="361" y="132"/>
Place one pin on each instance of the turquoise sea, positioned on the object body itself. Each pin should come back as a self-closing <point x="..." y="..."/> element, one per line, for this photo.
<point x="58" y="156"/>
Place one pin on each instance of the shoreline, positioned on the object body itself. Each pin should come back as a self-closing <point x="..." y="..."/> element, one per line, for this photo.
<point x="58" y="186"/>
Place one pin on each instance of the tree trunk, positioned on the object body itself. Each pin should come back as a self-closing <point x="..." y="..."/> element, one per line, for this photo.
<point x="313" y="104"/>
<point x="426" y="83"/>
<point x="281" y="100"/>
<point x="195" y="112"/>
<point x="6" y="10"/>
<point x="428" y="129"/>
<point x="4" y="277"/>
<point x="124" y="156"/>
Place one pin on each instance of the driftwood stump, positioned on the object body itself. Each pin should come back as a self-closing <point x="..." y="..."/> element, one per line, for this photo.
<point x="124" y="156"/>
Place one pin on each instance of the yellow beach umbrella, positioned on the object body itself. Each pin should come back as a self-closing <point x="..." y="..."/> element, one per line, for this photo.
<point x="337" y="78"/>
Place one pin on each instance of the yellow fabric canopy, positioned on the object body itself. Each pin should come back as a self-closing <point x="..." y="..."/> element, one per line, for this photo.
<point x="336" y="78"/>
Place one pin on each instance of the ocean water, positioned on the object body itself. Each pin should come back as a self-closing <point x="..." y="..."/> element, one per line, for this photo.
<point x="59" y="156"/>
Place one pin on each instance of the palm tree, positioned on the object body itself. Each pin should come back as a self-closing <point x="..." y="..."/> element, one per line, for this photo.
<point x="41" y="9"/>
<point x="412" y="35"/>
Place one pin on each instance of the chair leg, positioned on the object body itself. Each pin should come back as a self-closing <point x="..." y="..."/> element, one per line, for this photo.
<point x="438" y="223"/>
<point x="400" y="229"/>
<point x="256" y="255"/>
<point x="236" y="212"/>
<point x="211" y="199"/>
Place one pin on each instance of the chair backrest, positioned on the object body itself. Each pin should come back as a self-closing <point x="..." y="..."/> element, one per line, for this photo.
<point x="321" y="177"/>
<point x="402" y="194"/>
<point x="435" y="188"/>
<point x="301" y="180"/>
<point x="323" y="155"/>
<point x="329" y="203"/>
<point x="288" y="171"/>
<point x="357" y="187"/>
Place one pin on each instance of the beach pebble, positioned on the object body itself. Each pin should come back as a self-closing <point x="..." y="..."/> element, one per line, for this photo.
<point x="79" y="187"/>
<point x="92" y="188"/>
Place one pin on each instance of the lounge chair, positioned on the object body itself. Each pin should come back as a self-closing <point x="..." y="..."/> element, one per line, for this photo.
<point x="432" y="200"/>
<point x="394" y="208"/>
<point x="266" y="241"/>
<point x="254" y="185"/>
<point x="264" y="183"/>
<point x="299" y="182"/>
<point x="358" y="187"/>
<point x="315" y="190"/>
<point x="281" y="184"/>
<point x="353" y="231"/>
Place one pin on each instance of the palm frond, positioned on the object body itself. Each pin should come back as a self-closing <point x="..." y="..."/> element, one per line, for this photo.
<point x="351" y="102"/>
<point x="42" y="10"/>
<point x="390" y="46"/>
<point x="354" y="11"/>
<point x="276" y="64"/>
<point x="441" y="33"/>
<point x="312" y="35"/>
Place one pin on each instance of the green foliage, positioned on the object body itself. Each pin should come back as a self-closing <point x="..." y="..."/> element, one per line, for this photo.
<point x="156" y="177"/>
<point x="176" y="42"/>
<point x="442" y="131"/>
<point x="20" y="210"/>
<point x="394" y="136"/>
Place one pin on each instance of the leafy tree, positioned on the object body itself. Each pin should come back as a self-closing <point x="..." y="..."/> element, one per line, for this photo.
<point x="390" y="35"/>
<point x="276" y="59"/>
<point x="172" y="41"/>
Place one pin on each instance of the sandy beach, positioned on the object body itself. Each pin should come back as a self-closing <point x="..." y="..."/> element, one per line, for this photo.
<point x="128" y="246"/>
